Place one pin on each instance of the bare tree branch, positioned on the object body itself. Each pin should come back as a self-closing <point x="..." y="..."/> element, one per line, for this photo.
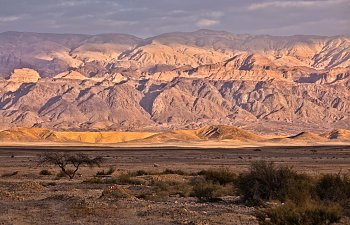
<point x="63" y="160"/>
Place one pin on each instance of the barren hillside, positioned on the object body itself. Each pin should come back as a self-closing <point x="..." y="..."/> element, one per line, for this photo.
<point x="174" y="81"/>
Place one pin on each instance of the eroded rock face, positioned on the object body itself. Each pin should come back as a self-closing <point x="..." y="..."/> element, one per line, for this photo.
<point x="172" y="81"/>
<point x="24" y="75"/>
<point x="182" y="103"/>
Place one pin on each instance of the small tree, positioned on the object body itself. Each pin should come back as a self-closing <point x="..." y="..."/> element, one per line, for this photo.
<point x="65" y="160"/>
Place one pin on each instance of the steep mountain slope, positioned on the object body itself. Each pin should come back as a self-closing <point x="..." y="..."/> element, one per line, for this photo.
<point x="174" y="81"/>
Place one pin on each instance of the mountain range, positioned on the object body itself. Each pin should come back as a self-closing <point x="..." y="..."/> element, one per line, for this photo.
<point x="182" y="80"/>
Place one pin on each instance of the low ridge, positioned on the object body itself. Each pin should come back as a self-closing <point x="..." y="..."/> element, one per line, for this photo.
<point x="221" y="132"/>
<point x="207" y="133"/>
<point x="308" y="136"/>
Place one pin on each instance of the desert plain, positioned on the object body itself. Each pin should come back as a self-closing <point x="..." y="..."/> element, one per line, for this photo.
<point x="151" y="176"/>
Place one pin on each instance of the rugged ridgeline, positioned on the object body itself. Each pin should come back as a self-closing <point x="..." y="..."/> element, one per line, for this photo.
<point x="174" y="81"/>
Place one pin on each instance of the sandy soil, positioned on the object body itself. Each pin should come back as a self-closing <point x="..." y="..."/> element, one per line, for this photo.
<point x="30" y="198"/>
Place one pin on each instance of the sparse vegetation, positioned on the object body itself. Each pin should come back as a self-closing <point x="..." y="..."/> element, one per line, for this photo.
<point x="305" y="200"/>
<point x="265" y="181"/>
<point x="221" y="176"/>
<point x="110" y="171"/>
<point x="45" y="172"/>
<point x="334" y="189"/>
<point x="122" y="179"/>
<point x="139" y="173"/>
<point x="164" y="172"/>
<point x="283" y="195"/>
<point x="116" y="192"/>
<point x="162" y="190"/>
<point x="292" y="214"/>
<point x="178" y="172"/>
<point x="126" y="178"/>
<point x="75" y="161"/>
<point x="207" y="191"/>
<point x="94" y="180"/>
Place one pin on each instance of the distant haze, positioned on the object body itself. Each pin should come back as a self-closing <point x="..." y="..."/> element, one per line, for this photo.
<point x="151" y="17"/>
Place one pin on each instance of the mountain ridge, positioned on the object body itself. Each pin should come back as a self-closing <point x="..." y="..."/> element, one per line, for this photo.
<point x="174" y="81"/>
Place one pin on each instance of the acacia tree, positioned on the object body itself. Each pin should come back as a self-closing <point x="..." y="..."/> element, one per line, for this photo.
<point x="66" y="161"/>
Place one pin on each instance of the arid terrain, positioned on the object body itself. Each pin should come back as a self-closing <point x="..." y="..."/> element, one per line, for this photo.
<point x="178" y="128"/>
<point x="268" y="84"/>
<point x="154" y="174"/>
<point x="214" y="136"/>
<point x="26" y="197"/>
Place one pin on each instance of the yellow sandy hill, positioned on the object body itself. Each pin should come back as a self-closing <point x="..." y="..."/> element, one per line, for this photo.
<point x="174" y="136"/>
<point x="27" y="135"/>
<point x="45" y="135"/>
<point x="216" y="133"/>
<point x="207" y="133"/>
<point x="102" y="137"/>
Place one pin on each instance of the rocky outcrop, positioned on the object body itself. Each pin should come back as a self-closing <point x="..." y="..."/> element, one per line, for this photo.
<point x="181" y="103"/>
<point x="24" y="75"/>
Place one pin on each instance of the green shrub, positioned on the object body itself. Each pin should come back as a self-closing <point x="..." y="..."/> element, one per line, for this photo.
<point x="264" y="181"/>
<point x="291" y="214"/>
<point x="45" y="173"/>
<point x="221" y="176"/>
<point x="208" y="191"/>
<point x="334" y="188"/>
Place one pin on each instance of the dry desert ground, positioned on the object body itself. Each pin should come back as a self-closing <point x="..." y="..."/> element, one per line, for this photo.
<point x="26" y="197"/>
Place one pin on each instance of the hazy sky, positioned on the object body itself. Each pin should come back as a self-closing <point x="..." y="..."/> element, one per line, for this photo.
<point x="151" y="17"/>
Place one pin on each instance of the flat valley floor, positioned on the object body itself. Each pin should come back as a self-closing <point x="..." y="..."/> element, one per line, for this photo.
<point x="26" y="197"/>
